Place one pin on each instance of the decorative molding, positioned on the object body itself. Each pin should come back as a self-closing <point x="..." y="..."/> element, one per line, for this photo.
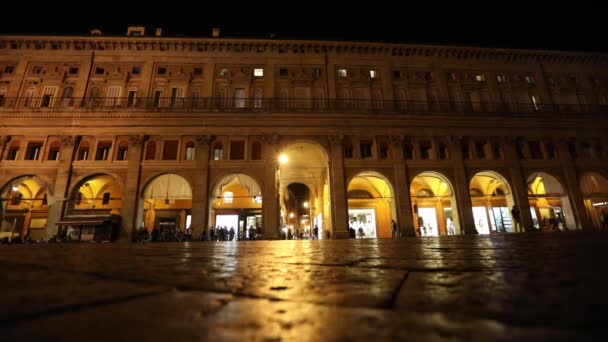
<point x="205" y="139"/>
<point x="271" y="139"/>
<point x="137" y="140"/>
<point x="68" y="140"/>
<point x="336" y="138"/>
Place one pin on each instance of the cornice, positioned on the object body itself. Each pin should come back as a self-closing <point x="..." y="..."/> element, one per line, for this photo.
<point x="293" y="47"/>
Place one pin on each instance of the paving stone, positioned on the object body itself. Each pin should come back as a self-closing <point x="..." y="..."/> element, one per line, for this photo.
<point x="202" y="316"/>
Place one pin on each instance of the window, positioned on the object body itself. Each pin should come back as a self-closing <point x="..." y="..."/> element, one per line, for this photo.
<point x="258" y="95"/>
<point x="161" y="71"/>
<point x="99" y="71"/>
<point x="224" y="72"/>
<point x="103" y="150"/>
<point x="73" y="70"/>
<point x="383" y="150"/>
<point x="218" y="151"/>
<point x="2" y="96"/>
<point x="256" y="151"/>
<point x="29" y="96"/>
<point x="397" y="74"/>
<point x="113" y="97"/>
<point x="136" y="70"/>
<point x="480" y="149"/>
<point x="550" y="149"/>
<point x="342" y="73"/>
<point x="9" y="69"/>
<point x="572" y="150"/>
<point x="501" y="78"/>
<point x="190" y="150"/>
<point x="158" y="95"/>
<point x="197" y="71"/>
<point x="408" y="150"/>
<point x="13" y="150"/>
<point x="283" y="72"/>
<point x="47" y="96"/>
<point x="366" y="149"/>
<point x="237" y="150"/>
<point x="170" y="149"/>
<point x="258" y="72"/>
<point x="496" y="153"/>
<point x="239" y="98"/>
<point x="348" y="150"/>
<point x="228" y="197"/>
<point x="151" y="151"/>
<point x="480" y="78"/>
<point x="443" y="151"/>
<point x="373" y="74"/>
<point x="38" y="70"/>
<point x="54" y="151"/>
<point x="535" y="150"/>
<point x="530" y="79"/>
<point x="68" y="93"/>
<point x="131" y="99"/>
<point x="425" y="149"/>
<point x="83" y="151"/>
<point x="177" y="95"/>
<point x="317" y="73"/>
<point x="32" y="151"/>
<point x="123" y="148"/>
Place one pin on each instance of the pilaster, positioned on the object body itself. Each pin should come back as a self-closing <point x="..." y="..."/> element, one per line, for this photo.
<point x="338" y="188"/>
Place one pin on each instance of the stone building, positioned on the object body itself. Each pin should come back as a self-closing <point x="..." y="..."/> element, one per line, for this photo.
<point x="175" y="133"/>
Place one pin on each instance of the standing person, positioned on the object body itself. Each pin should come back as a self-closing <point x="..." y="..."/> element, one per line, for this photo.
<point x="516" y="216"/>
<point x="315" y="233"/>
<point x="450" y="225"/>
<point x="394" y="229"/>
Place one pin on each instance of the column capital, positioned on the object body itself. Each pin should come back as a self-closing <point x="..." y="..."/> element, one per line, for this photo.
<point x="336" y="138"/>
<point x="68" y="140"/>
<point x="137" y="140"/>
<point x="204" y="139"/>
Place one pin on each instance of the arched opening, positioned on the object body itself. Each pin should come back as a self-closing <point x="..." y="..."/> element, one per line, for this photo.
<point x="594" y="188"/>
<point x="491" y="200"/>
<point x="236" y="209"/>
<point x="549" y="203"/>
<point x="298" y="212"/>
<point x="306" y="163"/>
<point x="371" y="205"/>
<point x="167" y="207"/>
<point x="434" y="205"/>
<point x="24" y="211"/>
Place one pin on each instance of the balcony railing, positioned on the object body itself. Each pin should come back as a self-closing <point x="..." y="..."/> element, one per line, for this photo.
<point x="282" y="105"/>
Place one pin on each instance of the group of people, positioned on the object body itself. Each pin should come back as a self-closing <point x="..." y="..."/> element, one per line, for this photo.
<point x="229" y="234"/>
<point x="299" y="234"/>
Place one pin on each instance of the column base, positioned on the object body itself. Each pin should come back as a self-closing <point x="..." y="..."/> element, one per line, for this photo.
<point x="341" y="235"/>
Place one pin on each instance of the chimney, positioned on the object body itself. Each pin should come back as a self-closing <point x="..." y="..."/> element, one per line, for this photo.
<point x="159" y="31"/>
<point x="215" y="32"/>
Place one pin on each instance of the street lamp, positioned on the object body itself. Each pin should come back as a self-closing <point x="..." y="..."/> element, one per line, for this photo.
<point x="283" y="159"/>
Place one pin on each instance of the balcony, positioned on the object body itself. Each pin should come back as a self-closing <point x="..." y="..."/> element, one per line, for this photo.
<point x="283" y="105"/>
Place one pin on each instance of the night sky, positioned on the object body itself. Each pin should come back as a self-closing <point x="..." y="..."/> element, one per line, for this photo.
<point x="487" y="24"/>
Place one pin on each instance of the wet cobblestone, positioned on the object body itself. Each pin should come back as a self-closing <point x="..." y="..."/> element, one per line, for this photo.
<point x="507" y="287"/>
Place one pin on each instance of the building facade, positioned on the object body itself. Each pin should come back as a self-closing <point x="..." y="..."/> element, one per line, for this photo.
<point x="175" y="133"/>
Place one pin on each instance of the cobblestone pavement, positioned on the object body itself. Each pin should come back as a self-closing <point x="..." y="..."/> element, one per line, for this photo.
<point x="509" y="287"/>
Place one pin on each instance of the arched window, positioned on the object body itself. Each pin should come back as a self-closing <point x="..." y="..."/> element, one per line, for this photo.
<point x="67" y="99"/>
<point x="218" y="151"/>
<point x="54" y="150"/>
<point x="256" y="151"/>
<point x="83" y="150"/>
<point x="151" y="150"/>
<point x="189" y="150"/>
<point x="123" y="148"/>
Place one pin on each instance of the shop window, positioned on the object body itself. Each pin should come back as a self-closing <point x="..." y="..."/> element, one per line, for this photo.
<point x="103" y="150"/>
<point x="170" y="149"/>
<point x="237" y="150"/>
<point x="83" y="150"/>
<point x="123" y="148"/>
<point x="54" y="151"/>
<point x="189" y="150"/>
<point x="151" y="150"/>
<point x="383" y="150"/>
<point x="32" y="151"/>
<point x="366" y="149"/>
<point x="218" y="151"/>
<point x="256" y="151"/>
<point x="535" y="150"/>
<point x="425" y="149"/>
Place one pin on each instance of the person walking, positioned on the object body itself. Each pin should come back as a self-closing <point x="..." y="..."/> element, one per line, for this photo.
<point x="516" y="215"/>
<point x="394" y="229"/>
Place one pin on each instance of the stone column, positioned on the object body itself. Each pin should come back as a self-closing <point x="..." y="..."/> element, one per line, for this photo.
<point x="58" y="201"/>
<point x="572" y="187"/>
<point x="518" y="184"/>
<point x="131" y="196"/>
<point x="270" y="188"/>
<point x="461" y="187"/>
<point x="405" y="218"/>
<point x="337" y="185"/>
<point x="200" y="191"/>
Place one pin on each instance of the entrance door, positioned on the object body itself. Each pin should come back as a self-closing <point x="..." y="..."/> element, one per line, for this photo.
<point x="227" y="221"/>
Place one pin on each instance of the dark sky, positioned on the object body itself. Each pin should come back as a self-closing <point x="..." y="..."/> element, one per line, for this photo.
<point x="573" y="26"/>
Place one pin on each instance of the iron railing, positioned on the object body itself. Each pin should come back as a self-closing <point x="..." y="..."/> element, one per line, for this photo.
<point x="215" y="104"/>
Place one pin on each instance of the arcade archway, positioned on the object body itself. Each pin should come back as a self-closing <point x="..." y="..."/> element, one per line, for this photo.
<point x="371" y="205"/>
<point x="96" y="195"/>
<point x="549" y="204"/>
<point x="306" y="163"/>
<point x="434" y="205"/>
<point x="236" y="208"/>
<point x="297" y="208"/>
<point x="24" y="211"/>
<point x="167" y="205"/>
<point x="594" y="188"/>
<point x="491" y="200"/>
